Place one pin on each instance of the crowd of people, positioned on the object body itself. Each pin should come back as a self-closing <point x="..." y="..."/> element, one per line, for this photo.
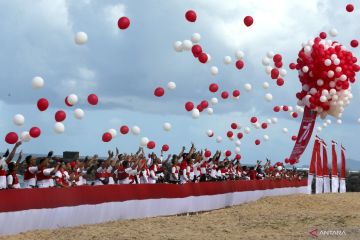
<point x="193" y="166"/>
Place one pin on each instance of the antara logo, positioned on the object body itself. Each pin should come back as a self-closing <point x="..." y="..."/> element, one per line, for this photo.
<point x="315" y="233"/>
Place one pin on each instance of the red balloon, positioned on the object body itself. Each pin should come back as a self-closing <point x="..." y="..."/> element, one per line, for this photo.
<point x="229" y="134"/>
<point x="292" y="66"/>
<point x="240" y="135"/>
<point x="271" y="168"/>
<point x="151" y="145"/>
<point x="234" y="126"/>
<point x="238" y="157"/>
<point x="43" y="104"/>
<point x="200" y="108"/>
<point x="239" y="64"/>
<point x="277" y="58"/>
<point x="11" y="138"/>
<point x="196" y="50"/>
<point x="204" y="104"/>
<point x="124" y="129"/>
<point x="106" y="137"/>
<point x="322" y="35"/>
<point x="280" y="82"/>
<point x="278" y="64"/>
<point x="228" y="153"/>
<point x="189" y="106"/>
<point x="248" y="21"/>
<point x="257" y="142"/>
<point x="203" y="57"/>
<point x="159" y="92"/>
<point x="292" y="161"/>
<point x="93" y="99"/>
<point x="190" y="16"/>
<point x="287" y="160"/>
<point x="213" y="87"/>
<point x="295" y="114"/>
<point x="275" y="73"/>
<point x="294" y="138"/>
<point x="35" y="132"/>
<point x="279" y="164"/>
<point x="253" y="120"/>
<point x="165" y="148"/>
<point x="123" y="23"/>
<point x="354" y="43"/>
<point x="224" y="95"/>
<point x="236" y="93"/>
<point x="207" y="154"/>
<point x="60" y="116"/>
<point x="349" y="7"/>
<point x="285" y="108"/>
<point x="264" y="125"/>
<point x="67" y="102"/>
<point x="276" y="109"/>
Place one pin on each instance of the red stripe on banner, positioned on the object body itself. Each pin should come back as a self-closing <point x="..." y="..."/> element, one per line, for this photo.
<point x="304" y="135"/>
<point x="24" y="199"/>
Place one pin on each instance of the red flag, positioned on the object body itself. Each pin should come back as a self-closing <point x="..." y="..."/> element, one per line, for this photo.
<point x="325" y="160"/>
<point x="313" y="156"/>
<point x="334" y="159"/>
<point x="319" y="170"/>
<point x="343" y="164"/>
<point x="304" y="135"/>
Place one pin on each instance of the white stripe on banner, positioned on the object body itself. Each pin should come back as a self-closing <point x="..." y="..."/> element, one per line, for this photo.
<point x="20" y="221"/>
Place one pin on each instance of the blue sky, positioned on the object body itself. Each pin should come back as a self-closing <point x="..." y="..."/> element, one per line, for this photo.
<point x="124" y="68"/>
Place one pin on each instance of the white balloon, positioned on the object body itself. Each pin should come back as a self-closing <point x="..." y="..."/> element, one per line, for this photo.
<point x="25" y="136"/>
<point x="238" y="142"/>
<point x="214" y="70"/>
<point x="167" y="126"/>
<point x="214" y="101"/>
<point x="59" y="127"/>
<point x="285" y="130"/>
<point x="270" y="54"/>
<point x="269" y="121"/>
<point x="79" y="113"/>
<point x="37" y="82"/>
<point x="178" y="46"/>
<point x="72" y="99"/>
<point x="227" y="59"/>
<point x="328" y="121"/>
<point x="210" y="133"/>
<point x="195" y="38"/>
<point x="274" y="120"/>
<point x="265" y="85"/>
<point x="266" y="137"/>
<point x="195" y="113"/>
<point x="218" y="139"/>
<point x="268" y="70"/>
<point x="135" y="130"/>
<point x="333" y="32"/>
<point x="323" y="99"/>
<point x="319" y="129"/>
<point x="247" y="87"/>
<point x="239" y="55"/>
<point x="266" y="61"/>
<point x="171" y="85"/>
<point x="279" y="168"/>
<point x="283" y="72"/>
<point x="112" y="132"/>
<point x="237" y="149"/>
<point x="187" y="45"/>
<point x="144" y="141"/>
<point x="325" y="124"/>
<point x="358" y="120"/>
<point x="210" y="111"/>
<point x="339" y="121"/>
<point x="268" y="97"/>
<point x="247" y="130"/>
<point x="81" y="38"/>
<point x="209" y="58"/>
<point x="19" y="120"/>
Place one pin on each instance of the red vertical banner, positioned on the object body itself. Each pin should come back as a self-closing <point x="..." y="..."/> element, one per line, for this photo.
<point x="343" y="163"/>
<point x="304" y="135"/>
<point x="334" y="159"/>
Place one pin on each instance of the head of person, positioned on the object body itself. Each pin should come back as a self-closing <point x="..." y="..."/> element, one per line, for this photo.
<point x="125" y="164"/>
<point x="12" y="167"/>
<point x="44" y="162"/>
<point x="30" y="161"/>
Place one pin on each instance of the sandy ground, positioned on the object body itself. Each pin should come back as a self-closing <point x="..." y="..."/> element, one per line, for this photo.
<point x="288" y="217"/>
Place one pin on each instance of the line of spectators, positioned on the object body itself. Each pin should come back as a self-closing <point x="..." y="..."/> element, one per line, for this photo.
<point x="193" y="166"/>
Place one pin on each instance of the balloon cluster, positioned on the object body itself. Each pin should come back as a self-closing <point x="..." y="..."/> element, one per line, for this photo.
<point x="326" y="70"/>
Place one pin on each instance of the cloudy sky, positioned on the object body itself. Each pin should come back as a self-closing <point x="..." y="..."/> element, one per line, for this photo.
<point x="124" y="67"/>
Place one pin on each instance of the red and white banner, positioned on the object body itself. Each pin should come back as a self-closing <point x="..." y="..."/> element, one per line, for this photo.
<point x="334" y="175"/>
<point x="343" y="171"/>
<point x="304" y="135"/>
<point x="30" y="209"/>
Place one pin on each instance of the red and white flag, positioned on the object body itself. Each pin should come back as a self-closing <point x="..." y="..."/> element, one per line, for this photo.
<point x="319" y="172"/>
<point x="325" y="168"/>
<point x="312" y="165"/>
<point x="334" y="169"/>
<point x="343" y="171"/>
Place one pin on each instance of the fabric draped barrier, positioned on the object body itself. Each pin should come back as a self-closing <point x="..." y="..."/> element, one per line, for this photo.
<point x="30" y="209"/>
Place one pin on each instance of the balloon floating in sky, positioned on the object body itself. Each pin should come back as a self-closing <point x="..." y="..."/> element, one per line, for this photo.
<point x="35" y="132"/>
<point x="191" y="15"/>
<point x="171" y="85"/>
<point x="165" y="148"/>
<point x="19" y="120"/>
<point x="123" y="23"/>
<point x="135" y="130"/>
<point x="93" y="99"/>
<point x="25" y="136"/>
<point x="81" y="38"/>
<point x="106" y="137"/>
<point x="248" y="21"/>
<point x="79" y="113"/>
<point x="124" y="130"/>
<point x="11" y="138"/>
<point x="42" y="104"/>
<point x="59" y="128"/>
<point x="60" y="116"/>
<point x="151" y="145"/>
<point x="159" y="92"/>
<point x="37" y="82"/>
<point x="167" y="126"/>
<point x="144" y="141"/>
<point x="72" y="99"/>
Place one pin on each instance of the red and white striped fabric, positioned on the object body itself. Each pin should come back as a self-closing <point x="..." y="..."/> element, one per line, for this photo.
<point x="325" y="168"/>
<point x="343" y="171"/>
<point x="334" y="175"/>
<point x="30" y="209"/>
<point x="319" y="171"/>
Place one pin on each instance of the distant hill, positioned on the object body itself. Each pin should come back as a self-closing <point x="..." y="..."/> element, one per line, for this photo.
<point x="351" y="164"/>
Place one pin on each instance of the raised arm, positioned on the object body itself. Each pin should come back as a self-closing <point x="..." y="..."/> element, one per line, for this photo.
<point x="12" y="153"/>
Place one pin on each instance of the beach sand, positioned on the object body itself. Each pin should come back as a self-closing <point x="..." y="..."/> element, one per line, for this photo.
<point x="285" y="217"/>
